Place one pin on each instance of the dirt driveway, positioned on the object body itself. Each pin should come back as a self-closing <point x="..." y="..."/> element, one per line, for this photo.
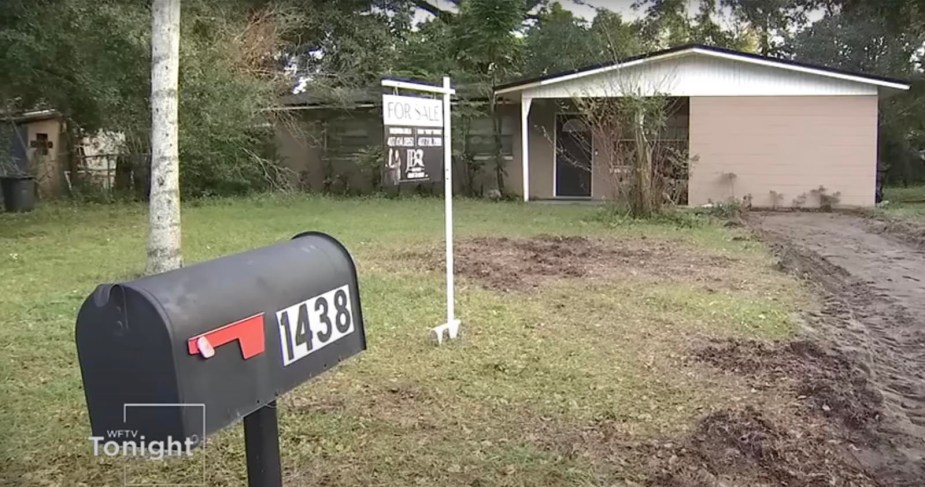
<point x="874" y="311"/>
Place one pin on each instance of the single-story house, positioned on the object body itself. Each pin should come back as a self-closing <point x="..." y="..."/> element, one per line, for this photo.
<point x="777" y="132"/>
<point x="773" y="130"/>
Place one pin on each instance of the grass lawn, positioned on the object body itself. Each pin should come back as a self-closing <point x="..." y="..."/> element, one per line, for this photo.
<point x="511" y="403"/>
<point x="905" y="202"/>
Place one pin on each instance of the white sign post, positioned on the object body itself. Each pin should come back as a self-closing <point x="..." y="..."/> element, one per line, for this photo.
<point x="420" y="112"/>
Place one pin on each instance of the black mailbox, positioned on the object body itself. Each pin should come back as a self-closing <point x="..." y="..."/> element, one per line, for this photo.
<point x="183" y="354"/>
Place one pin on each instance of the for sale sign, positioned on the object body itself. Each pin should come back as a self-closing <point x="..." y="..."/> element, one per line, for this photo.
<point x="413" y="138"/>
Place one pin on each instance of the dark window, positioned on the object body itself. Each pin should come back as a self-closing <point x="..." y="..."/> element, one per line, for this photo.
<point x="480" y="139"/>
<point x="348" y="136"/>
<point x="41" y="144"/>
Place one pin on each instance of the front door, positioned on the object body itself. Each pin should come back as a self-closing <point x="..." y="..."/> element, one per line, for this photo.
<point x="573" y="157"/>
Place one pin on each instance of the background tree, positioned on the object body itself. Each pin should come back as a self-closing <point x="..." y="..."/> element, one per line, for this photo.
<point x="906" y="16"/>
<point x="488" y="48"/>
<point x="349" y="43"/>
<point x="616" y="38"/>
<point x="429" y="51"/>
<point x="91" y="60"/>
<point x="773" y="22"/>
<point x="231" y="73"/>
<point x="557" y="31"/>
<point x="670" y="23"/>
<point x="477" y="44"/>
<point x="81" y="58"/>
<point x="666" y="23"/>
<point x="706" y="30"/>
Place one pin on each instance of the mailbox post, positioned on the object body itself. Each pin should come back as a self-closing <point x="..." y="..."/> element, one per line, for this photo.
<point x="261" y="445"/>
<point x="194" y="350"/>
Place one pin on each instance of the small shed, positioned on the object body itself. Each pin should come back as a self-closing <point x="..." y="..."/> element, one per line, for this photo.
<point x="779" y="133"/>
<point x="32" y="144"/>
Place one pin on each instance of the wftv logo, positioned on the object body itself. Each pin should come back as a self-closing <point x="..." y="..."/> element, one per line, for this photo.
<point x="128" y="443"/>
<point x="134" y="447"/>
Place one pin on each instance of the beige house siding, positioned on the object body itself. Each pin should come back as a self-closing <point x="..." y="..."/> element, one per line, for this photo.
<point x="790" y="145"/>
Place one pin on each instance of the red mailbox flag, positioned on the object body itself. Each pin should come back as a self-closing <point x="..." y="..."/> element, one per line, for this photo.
<point x="248" y="332"/>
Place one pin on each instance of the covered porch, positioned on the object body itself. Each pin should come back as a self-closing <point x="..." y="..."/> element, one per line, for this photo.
<point x="564" y="155"/>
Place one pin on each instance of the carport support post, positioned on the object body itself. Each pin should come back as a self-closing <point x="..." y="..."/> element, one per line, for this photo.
<point x="261" y="444"/>
<point x="525" y="143"/>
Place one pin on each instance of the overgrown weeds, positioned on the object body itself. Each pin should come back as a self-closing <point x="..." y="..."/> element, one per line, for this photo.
<point x="676" y="217"/>
<point x="725" y="210"/>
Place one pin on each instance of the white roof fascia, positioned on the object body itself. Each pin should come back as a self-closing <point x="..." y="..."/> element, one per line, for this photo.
<point x="716" y="54"/>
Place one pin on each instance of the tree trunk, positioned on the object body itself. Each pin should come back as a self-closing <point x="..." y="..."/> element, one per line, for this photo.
<point x="642" y="205"/>
<point x="164" y="206"/>
<point x="496" y="145"/>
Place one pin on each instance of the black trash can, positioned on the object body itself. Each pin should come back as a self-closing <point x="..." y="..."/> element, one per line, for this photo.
<point x="18" y="193"/>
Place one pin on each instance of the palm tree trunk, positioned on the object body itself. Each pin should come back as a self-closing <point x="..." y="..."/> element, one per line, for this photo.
<point x="164" y="205"/>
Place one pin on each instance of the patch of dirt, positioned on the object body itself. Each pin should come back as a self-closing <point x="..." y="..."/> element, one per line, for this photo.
<point x="743" y="447"/>
<point x="874" y="314"/>
<point x="909" y="230"/>
<point x="825" y="378"/>
<point x="808" y="438"/>
<point x="517" y="264"/>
